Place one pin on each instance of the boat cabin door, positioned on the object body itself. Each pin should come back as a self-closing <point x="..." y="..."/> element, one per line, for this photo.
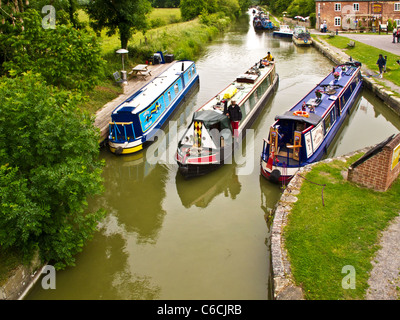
<point x="273" y="139"/>
<point x="197" y="134"/>
<point x="296" y="145"/>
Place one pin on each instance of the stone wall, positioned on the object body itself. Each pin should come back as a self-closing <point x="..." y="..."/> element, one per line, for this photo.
<point x="21" y="280"/>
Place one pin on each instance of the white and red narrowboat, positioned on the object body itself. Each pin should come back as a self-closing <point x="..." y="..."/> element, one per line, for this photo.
<point x="209" y="140"/>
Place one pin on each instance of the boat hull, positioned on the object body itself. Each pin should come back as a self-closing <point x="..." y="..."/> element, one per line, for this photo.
<point x="282" y="34"/>
<point x="302" y="42"/>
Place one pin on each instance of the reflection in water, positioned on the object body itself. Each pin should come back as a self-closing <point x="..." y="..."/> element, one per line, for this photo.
<point x="135" y="189"/>
<point x="202" y="190"/>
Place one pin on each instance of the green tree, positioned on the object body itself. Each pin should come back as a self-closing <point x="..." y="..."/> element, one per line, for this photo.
<point x="124" y="16"/>
<point x="49" y="165"/>
<point x="190" y="9"/>
<point x="301" y="8"/>
<point x="64" y="56"/>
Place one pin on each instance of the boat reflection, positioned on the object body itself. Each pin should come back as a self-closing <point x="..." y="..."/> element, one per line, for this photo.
<point x="201" y="192"/>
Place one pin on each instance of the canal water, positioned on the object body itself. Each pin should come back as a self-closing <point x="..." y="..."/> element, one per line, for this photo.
<point x="205" y="238"/>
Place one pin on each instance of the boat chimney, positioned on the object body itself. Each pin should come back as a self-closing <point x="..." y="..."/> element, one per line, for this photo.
<point x="183" y="66"/>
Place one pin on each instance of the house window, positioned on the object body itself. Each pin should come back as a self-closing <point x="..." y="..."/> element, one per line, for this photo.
<point x="338" y="22"/>
<point x="338" y="6"/>
<point x="356" y="7"/>
<point x="397" y="6"/>
<point x="397" y="21"/>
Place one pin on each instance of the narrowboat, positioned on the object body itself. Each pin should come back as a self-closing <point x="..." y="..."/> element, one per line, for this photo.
<point x="302" y="135"/>
<point x="262" y="22"/>
<point x="135" y="121"/>
<point x="301" y="37"/>
<point x="283" y="32"/>
<point x="209" y="140"/>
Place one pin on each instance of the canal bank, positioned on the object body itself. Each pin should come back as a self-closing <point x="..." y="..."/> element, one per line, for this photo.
<point x="284" y="284"/>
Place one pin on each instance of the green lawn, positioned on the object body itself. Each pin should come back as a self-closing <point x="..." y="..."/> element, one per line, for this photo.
<point x="368" y="56"/>
<point x="321" y="240"/>
<point x="158" y="17"/>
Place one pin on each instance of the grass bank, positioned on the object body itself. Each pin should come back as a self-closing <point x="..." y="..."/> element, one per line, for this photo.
<point x="368" y="56"/>
<point x="185" y="40"/>
<point x="321" y="240"/>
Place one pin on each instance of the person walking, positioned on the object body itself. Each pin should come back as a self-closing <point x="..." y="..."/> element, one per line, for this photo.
<point x="235" y="115"/>
<point x="381" y="64"/>
<point x="398" y="34"/>
<point x="394" y="35"/>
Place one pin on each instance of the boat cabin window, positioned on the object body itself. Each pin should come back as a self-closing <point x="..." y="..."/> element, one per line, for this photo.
<point x="169" y="96"/>
<point x="327" y="123"/>
<point x="300" y="126"/>
<point x="176" y="88"/>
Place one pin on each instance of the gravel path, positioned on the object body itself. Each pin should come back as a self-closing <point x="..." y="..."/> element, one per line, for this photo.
<point x="385" y="276"/>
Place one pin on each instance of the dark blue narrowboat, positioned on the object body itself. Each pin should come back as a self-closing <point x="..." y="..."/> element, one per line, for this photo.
<point x="302" y="135"/>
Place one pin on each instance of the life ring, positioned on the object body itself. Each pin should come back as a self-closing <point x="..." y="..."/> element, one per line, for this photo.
<point x="305" y="40"/>
<point x="301" y="113"/>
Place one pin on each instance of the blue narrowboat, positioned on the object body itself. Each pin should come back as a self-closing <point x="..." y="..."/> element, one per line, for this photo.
<point x="302" y="135"/>
<point x="262" y="22"/>
<point x="135" y="121"/>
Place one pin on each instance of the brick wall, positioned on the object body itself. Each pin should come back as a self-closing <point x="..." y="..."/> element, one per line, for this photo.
<point x="327" y="13"/>
<point x="376" y="171"/>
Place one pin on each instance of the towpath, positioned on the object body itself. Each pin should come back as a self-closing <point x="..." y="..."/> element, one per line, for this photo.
<point x="103" y="116"/>
<point x="384" y="279"/>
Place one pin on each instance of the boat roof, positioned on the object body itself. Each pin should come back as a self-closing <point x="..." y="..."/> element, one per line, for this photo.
<point x="141" y="99"/>
<point x="329" y="88"/>
<point x="240" y="87"/>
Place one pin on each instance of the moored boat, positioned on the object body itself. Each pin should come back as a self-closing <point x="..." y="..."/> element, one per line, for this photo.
<point x="210" y="141"/>
<point x="135" y="121"/>
<point x="261" y="21"/>
<point x="284" y="31"/>
<point x="301" y="37"/>
<point x="302" y="135"/>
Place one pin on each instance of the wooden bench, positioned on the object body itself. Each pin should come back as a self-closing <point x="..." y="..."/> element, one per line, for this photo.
<point x="351" y="44"/>
<point x="140" y="70"/>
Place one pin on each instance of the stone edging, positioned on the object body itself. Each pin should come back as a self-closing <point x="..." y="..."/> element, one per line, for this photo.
<point x="284" y="287"/>
<point x="22" y="280"/>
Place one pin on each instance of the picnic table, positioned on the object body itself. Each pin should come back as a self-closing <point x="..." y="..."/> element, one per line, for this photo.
<point x="140" y="70"/>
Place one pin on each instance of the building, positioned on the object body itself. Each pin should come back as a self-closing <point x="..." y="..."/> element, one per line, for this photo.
<point x="356" y="15"/>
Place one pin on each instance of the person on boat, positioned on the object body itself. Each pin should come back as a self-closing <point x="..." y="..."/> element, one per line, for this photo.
<point x="381" y="64"/>
<point x="235" y="115"/>
<point x="269" y="57"/>
<point x="304" y="106"/>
